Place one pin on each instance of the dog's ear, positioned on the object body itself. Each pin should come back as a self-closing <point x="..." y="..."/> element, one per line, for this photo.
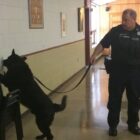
<point x="24" y="58"/>
<point x="13" y="52"/>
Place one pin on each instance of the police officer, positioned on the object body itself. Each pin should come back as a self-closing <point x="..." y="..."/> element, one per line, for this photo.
<point x="124" y="41"/>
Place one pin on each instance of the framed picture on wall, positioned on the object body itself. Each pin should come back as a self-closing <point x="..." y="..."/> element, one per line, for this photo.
<point x="63" y="23"/>
<point x="80" y="19"/>
<point x="36" y="19"/>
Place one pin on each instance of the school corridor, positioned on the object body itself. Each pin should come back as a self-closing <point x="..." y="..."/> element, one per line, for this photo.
<point x="85" y="117"/>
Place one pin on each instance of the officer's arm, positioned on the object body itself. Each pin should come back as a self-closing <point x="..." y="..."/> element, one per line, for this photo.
<point x="97" y="51"/>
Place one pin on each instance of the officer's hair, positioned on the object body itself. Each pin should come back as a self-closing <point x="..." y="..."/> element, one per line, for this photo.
<point x="131" y="12"/>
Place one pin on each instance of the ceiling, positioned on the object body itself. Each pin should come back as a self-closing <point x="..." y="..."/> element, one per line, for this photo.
<point x="101" y="2"/>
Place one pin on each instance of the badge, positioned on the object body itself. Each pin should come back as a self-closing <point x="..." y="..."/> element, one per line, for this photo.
<point x="138" y="33"/>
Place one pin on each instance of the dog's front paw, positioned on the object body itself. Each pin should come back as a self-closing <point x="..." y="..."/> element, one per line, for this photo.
<point x="40" y="137"/>
<point x="1" y="77"/>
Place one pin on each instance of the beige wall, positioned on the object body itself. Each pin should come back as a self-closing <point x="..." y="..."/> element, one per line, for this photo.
<point x="15" y="32"/>
<point x="55" y="65"/>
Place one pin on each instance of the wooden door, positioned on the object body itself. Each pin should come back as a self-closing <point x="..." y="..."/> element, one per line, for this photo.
<point x="114" y="19"/>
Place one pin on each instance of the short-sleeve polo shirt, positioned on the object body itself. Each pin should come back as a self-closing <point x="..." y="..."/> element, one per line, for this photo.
<point x="125" y="45"/>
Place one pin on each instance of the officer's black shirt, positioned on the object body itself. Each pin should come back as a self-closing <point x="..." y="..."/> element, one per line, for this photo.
<point x="125" y="45"/>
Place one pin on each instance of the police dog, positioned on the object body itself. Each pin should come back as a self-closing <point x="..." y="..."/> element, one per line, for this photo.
<point x="19" y="76"/>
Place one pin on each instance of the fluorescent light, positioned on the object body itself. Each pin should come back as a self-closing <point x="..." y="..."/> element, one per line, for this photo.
<point x="101" y="2"/>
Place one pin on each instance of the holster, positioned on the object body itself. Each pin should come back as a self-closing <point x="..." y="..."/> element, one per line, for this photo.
<point x="108" y="64"/>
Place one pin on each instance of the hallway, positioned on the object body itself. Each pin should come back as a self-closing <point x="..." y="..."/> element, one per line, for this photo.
<point x="85" y="115"/>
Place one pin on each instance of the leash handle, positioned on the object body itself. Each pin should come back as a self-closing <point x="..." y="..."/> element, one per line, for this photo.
<point x="67" y="90"/>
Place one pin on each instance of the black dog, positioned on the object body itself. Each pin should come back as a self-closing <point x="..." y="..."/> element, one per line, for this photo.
<point x="19" y="76"/>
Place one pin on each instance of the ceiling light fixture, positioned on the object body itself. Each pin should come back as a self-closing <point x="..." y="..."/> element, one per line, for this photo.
<point x="102" y="2"/>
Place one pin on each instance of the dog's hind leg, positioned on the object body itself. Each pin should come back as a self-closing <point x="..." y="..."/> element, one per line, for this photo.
<point x="43" y="123"/>
<point x="49" y="136"/>
<point x="40" y="137"/>
<point x="61" y="107"/>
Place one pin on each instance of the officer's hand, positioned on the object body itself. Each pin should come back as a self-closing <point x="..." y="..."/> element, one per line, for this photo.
<point x="92" y="59"/>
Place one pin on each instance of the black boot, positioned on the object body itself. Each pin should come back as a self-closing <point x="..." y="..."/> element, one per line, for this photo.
<point x="112" y="132"/>
<point x="134" y="129"/>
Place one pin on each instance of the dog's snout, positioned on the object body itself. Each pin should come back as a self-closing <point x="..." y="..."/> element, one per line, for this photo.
<point x="3" y="61"/>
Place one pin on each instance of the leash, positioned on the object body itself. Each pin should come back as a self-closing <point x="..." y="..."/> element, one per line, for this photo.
<point x="67" y="90"/>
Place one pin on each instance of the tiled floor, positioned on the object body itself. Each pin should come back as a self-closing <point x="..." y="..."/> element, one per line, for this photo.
<point x="85" y="115"/>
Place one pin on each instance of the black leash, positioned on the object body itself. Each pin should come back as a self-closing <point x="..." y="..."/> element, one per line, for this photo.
<point x="67" y="90"/>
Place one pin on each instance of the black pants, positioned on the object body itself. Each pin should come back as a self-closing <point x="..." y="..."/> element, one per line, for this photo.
<point x="119" y="80"/>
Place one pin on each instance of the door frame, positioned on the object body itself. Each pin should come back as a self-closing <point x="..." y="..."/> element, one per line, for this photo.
<point x="87" y="5"/>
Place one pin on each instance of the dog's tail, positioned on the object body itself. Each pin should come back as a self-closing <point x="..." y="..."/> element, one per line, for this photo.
<point x="62" y="106"/>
